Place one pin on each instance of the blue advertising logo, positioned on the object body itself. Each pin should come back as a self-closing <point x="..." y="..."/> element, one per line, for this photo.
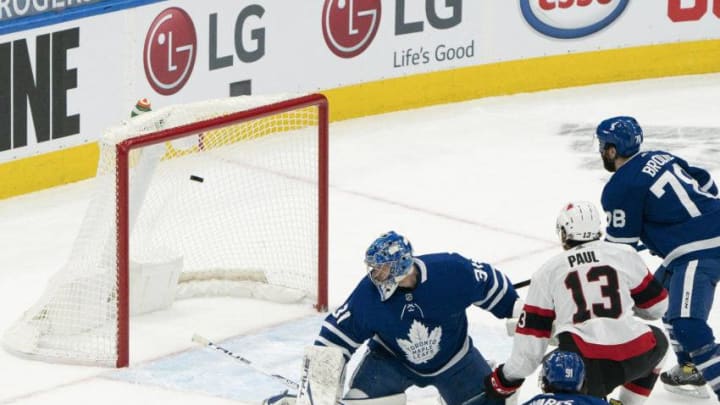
<point x="568" y="19"/>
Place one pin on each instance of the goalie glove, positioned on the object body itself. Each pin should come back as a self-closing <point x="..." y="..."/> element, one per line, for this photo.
<point x="322" y="376"/>
<point x="497" y="386"/>
<point x="283" y="398"/>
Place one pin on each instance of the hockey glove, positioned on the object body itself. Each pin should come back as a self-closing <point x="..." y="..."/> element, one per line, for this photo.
<point x="499" y="387"/>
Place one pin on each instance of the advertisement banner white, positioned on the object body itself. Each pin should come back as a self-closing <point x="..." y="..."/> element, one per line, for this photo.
<point x="61" y="85"/>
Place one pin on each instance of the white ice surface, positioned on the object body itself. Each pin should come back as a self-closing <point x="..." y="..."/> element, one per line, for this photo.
<point x="484" y="178"/>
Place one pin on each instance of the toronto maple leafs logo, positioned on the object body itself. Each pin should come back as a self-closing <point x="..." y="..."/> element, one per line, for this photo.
<point x="423" y="344"/>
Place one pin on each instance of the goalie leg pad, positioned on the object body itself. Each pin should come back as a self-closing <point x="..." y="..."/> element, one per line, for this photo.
<point x="322" y="380"/>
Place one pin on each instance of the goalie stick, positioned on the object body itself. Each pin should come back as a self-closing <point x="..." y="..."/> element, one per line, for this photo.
<point x="286" y="381"/>
<point x="206" y="342"/>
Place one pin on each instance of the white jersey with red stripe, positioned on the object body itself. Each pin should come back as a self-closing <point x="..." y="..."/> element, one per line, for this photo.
<point x="591" y="291"/>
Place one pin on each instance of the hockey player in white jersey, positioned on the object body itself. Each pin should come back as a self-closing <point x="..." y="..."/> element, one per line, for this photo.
<point x="411" y="311"/>
<point x="592" y="293"/>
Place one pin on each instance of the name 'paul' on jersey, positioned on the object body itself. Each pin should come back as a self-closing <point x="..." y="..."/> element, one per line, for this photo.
<point x="425" y="327"/>
<point x="659" y="199"/>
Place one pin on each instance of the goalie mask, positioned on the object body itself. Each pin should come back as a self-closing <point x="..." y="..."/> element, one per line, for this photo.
<point x="389" y="259"/>
<point x="578" y="222"/>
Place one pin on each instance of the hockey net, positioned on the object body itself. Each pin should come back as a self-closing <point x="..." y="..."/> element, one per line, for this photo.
<point x="222" y="197"/>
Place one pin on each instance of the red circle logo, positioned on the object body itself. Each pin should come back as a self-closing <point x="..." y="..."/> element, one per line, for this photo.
<point x="170" y="50"/>
<point x="349" y="26"/>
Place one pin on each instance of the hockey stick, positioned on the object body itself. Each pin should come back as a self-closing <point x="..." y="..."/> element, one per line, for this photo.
<point x="286" y="381"/>
<point x="206" y="342"/>
<point x="522" y="284"/>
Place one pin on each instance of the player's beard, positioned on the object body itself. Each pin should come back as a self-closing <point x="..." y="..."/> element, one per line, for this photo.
<point x="608" y="163"/>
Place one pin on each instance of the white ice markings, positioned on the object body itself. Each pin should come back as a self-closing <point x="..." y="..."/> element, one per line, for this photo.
<point x="277" y="349"/>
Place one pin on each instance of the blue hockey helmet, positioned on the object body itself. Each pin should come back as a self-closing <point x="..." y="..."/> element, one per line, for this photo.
<point x="563" y="372"/>
<point x="389" y="259"/>
<point x="623" y="132"/>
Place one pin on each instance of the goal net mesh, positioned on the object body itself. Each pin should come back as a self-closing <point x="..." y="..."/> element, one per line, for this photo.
<point x="235" y="207"/>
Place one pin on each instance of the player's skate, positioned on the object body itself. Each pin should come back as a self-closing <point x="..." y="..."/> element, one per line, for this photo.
<point x="685" y="379"/>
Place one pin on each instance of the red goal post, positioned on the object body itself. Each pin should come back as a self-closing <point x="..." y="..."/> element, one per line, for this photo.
<point x="253" y="171"/>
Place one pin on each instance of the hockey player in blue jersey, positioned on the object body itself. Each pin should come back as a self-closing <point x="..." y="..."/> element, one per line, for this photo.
<point x="562" y="380"/>
<point x="658" y="199"/>
<point x="411" y="311"/>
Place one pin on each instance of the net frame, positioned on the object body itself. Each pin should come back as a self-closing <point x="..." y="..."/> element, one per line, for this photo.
<point x="122" y="191"/>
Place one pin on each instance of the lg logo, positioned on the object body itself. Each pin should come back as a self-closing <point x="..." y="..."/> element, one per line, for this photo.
<point x="349" y="26"/>
<point x="171" y="46"/>
<point x="404" y="27"/>
<point x="170" y="51"/>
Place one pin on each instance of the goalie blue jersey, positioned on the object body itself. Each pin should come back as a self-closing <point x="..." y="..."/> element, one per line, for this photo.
<point x="424" y="327"/>
<point x="660" y="200"/>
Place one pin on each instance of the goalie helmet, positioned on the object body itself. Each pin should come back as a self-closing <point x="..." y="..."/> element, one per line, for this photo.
<point x="578" y="221"/>
<point x="562" y="372"/>
<point x="622" y="132"/>
<point x="389" y="260"/>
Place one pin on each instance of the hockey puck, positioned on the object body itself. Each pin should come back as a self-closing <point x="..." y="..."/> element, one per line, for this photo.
<point x="196" y="178"/>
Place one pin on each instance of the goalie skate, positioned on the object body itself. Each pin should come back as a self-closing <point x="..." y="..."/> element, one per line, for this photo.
<point x="685" y="379"/>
